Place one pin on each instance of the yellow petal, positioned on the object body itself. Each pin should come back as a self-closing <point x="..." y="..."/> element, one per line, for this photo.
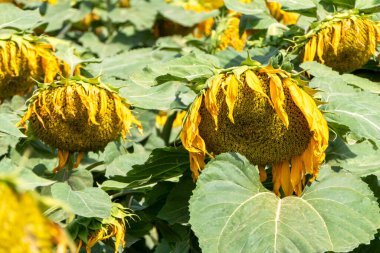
<point x="371" y="37"/>
<point x="278" y="98"/>
<point x="337" y="30"/>
<point x="276" y="173"/>
<point x="297" y="174"/>
<point x="254" y="83"/>
<point x="286" y="184"/>
<point x="313" y="48"/>
<point x="63" y="159"/>
<point x="210" y="98"/>
<point x="231" y="94"/>
<point x="262" y="173"/>
<point x="320" y="46"/>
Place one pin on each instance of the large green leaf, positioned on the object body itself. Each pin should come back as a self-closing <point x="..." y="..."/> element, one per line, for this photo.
<point x="347" y="105"/>
<point x="8" y="125"/>
<point x="13" y="17"/>
<point x="163" y="163"/>
<point x="175" y="209"/>
<point x="254" y="8"/>
<point x="133" y="15"/>
<point x="360" y="158"/>
<point x="368" y="5"/>
<point x="231" y="211"/>
<point x="184" y="17"/>
<point x="89" y="202"/>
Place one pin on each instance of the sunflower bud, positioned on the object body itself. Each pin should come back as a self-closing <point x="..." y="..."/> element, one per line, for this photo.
<point x="263" y="114"/>
<point x="345" y="42"/>
<point x="25" y="60"/>
<point x="78" y="115"/>
<point x="24" y="228"/>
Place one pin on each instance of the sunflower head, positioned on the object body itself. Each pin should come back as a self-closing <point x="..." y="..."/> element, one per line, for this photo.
<point x="78" y="115"/>
<point x="24" y="228"/>
<point x="111" y="227"/>
<point x="263" y="114"/>
<point x="25" y="59"/>
<point x="344" y="42"/>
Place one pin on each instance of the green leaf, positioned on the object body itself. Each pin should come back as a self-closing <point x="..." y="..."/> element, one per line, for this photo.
<point x="122" y="164"/>
<point x="361" y="159"/>
<point x="185" y="17"/>
<point x="89" y="202"/>
<point x="80" y="179"/>
<point x="8" y="125"/>
<point x="13" y="17"/>
<point x="346" y="105"/>
<point x="133" y="15"/>
<point x="175" y="209"/>
<point x="163" y="163"/>
<point x="254" y="8"/>
<point x="368" y="5"/>
<point x="127" y="63"/>
<point x="231" y="211"/>
<point x="56" y="15"/>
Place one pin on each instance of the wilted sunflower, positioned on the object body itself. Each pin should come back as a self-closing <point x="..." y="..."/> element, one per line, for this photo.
<point x="78" y="115"/>
<point x="167" y="27"/>
<point x="112" y="227"/>
<point x="345" y="41"/>
<point x="287" y="18"/>
<point x="25" y="59"/>
<point x="227" y="34"/>
<point x="263" y="114"/>
<point x="24" y="228"/>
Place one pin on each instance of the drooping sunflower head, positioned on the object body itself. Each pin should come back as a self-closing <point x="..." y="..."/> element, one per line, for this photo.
<point x="111" y="227"/>
<point x="25" y="59"/>
<point x="227" y="33"/>
<point x="287" y="18"/>
<point x="167" y="27"/>
<point x="78" y="115"/>
<point x="345" y="41"/>
<point x="264" y="114"/>
<point x="24" y="228"/>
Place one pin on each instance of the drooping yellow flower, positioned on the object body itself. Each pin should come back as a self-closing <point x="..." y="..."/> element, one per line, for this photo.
<point x="25" y="59"/>
<point x="78" y="115"/>
<point x="124" y="3"/>
<point x="287" y="18"/>
<point x="24" y="228"/>
<point x="263" y="114"/>
<point x="227" y="33"/>
<point x="162" y="117"/>
<point x="344" y="42"/>
<point x="202" y="29"/>
<point x="111" y="227"/>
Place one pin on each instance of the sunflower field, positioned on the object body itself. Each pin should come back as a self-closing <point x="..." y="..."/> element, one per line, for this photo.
<point x="189" y="126"/>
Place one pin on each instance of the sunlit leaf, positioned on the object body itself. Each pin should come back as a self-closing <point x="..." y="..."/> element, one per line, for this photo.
<point x="231" y="211"/>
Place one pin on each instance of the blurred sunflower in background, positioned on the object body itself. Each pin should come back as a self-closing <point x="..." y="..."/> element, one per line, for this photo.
<point x="26" y="59"/>
<point x="344" y="41"/>
<point x="286" y="18"/>
<point x="264" y="114"/>
<point x="24" y="228"/>
<point x="167" y="27"/>
<point x="78" y="115"/>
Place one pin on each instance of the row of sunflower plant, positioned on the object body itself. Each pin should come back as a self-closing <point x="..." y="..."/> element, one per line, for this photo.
<point x="189" y="126"/>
